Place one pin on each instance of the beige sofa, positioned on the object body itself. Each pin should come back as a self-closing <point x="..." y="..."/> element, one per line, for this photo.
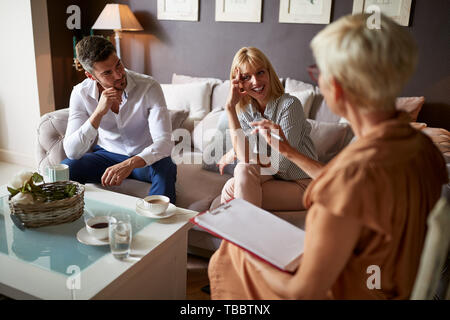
<point x="202" y="100"/>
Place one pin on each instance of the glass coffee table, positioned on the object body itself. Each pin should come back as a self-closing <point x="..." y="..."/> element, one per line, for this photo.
<point x="50" y="263"/>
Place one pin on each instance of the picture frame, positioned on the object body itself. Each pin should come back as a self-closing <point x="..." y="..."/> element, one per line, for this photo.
<point x="185" y="10"/>
<point x="305" y="11"/>
<point x="398" y="10"/>
<point x="238" y="10"/>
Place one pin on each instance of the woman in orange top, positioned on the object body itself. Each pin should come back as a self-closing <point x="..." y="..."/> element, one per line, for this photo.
<point x="366" y="223"/>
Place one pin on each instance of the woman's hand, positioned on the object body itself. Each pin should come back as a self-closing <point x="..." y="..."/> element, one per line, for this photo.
<point x="226" y="159"/>
<point x="265" y="127"/>
<point x="237" y="91"/>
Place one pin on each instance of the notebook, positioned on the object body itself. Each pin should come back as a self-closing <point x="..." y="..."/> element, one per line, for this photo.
<point x="257" y="231"/>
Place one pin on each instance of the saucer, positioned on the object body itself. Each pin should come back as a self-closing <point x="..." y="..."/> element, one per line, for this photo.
<point x="84" y="237"/>
<point x="140" y="210"/>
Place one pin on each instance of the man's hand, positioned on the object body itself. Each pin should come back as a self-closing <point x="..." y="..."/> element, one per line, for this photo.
<point x="110" y="99"/>
<point x="114" y="175"/>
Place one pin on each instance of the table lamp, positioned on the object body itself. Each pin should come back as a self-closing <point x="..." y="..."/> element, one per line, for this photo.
<point x="117" y="17"/>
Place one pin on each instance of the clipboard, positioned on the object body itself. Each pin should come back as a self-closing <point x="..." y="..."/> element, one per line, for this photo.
<point x="261" y="233"/>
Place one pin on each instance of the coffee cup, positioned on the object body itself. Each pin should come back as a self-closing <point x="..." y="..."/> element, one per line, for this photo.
<point x="98" y="226"/>
<point x="58" y="172"/>
<point x="156" y="204"/>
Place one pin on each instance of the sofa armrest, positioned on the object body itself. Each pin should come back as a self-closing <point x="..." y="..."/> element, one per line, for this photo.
<point x="51" y="131"/>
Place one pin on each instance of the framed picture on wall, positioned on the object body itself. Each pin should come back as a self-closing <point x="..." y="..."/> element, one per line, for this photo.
<point x="186" y="10"/>
<point x="305" y="11"/>
<point x="398" y="10"/>
<point x="239" y="10"/>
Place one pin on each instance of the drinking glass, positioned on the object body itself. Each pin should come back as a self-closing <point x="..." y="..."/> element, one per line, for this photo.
<point x="120" y="235"/>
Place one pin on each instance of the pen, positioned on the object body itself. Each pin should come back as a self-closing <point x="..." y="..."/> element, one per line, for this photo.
<point x="274" y="135"/>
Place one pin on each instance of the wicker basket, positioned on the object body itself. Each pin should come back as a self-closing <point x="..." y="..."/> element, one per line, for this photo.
<point x="54" y="212"/>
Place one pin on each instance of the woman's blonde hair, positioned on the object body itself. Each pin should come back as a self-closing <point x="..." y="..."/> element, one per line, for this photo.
<point x="255" y="59"/>
<point x="371" y="64"/>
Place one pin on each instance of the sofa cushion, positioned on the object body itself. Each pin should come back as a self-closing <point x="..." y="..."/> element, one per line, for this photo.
<point x="204" y="132"/>
<point x="219" y="92"/>
<point x="195" y="185"/>
<point x="411" y="105"/>
<point x="182" y="79"/>
<point x="320" y="110"/>
<point x="194" y="97"/>
<point x="329" y="138"/>
<point x="220" y="95"/>
<point x="306" y="98"/>
<point x="292" y="85"/>
<point x="211" y="136"/>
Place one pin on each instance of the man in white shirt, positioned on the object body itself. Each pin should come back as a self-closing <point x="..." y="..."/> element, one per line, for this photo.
<point x="126" y="112"/>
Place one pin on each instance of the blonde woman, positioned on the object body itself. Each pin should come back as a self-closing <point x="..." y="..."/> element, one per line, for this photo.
<point x="255" y="94"/>
<point x="366" y="222"/>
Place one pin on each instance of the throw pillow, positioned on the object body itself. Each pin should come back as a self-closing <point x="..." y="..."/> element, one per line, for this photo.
<point x="205" y="130"/>
<point x="306" y="97"/>
<point x="411" y="105"/>
<point x="182" y="79"/>
<point x="329" y="138"/>
<point x="292" y="85"/>
<point x="212" y="138"/>
<point x="194" y="97"/>
<point x="320" y="111"/>
<point x="220" y="95"/>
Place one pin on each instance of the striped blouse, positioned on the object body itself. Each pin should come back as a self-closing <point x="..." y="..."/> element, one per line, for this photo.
<point x="287" y="112"/>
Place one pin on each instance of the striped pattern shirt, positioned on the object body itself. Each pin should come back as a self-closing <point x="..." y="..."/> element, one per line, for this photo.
<point x="287" y="112"/>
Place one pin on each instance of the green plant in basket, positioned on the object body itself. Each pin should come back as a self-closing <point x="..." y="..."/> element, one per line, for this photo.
<point x="27" y="188"/>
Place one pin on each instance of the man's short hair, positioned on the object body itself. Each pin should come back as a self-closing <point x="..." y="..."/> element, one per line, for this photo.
<point x="93" y="49"/>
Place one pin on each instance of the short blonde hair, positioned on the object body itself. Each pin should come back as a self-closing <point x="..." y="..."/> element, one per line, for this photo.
<point x="254" y="58"/>
<point x="371" y="65"/>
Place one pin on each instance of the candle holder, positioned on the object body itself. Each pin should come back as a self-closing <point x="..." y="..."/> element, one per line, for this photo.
<point x="77" y="65"/>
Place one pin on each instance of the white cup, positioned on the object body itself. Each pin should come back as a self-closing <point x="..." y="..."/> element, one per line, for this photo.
<point x="58" y="172"/>
<point x="156" y="208"/>
<point x="98" y="226"/>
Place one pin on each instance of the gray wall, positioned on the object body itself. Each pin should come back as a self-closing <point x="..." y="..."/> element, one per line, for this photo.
<point x="206" y="47"/>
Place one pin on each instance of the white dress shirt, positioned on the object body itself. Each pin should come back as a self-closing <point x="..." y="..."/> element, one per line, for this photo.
<point x="142" y="127"/>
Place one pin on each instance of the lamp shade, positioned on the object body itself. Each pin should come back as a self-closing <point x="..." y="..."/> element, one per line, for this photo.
<point x="117" y="17"/>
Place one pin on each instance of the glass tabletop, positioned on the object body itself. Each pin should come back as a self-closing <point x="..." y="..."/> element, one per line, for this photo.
<point x="56" y="248"/>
